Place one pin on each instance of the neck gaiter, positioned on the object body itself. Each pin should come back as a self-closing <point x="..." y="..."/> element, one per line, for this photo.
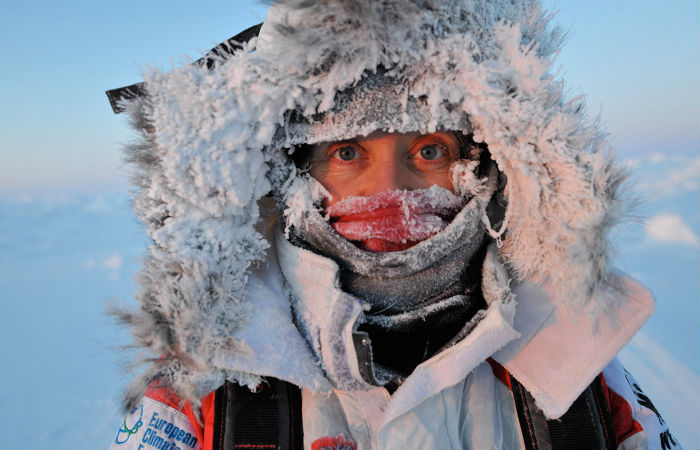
<point x="420" y="296"/>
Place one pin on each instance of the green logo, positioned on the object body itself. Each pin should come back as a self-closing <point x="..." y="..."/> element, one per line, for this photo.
<point x="127" y="430"/>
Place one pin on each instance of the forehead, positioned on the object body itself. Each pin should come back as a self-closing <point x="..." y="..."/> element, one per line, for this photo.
<point x="385" y="137"/>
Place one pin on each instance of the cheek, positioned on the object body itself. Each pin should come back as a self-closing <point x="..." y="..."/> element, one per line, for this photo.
<point x="442" y="179"/>
<point x="336" y="186"/>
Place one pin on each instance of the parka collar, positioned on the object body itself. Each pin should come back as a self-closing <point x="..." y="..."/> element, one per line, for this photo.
<point x="552" y="351"/>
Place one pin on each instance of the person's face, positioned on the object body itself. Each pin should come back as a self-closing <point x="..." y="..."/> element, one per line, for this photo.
<point x="383" y="161"/>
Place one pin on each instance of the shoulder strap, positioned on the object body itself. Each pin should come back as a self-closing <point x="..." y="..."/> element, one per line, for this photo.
<point x="268" y="418"/>
<point x="586" y="425"/>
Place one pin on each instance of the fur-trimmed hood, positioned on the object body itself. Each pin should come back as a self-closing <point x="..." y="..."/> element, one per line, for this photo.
<point x="215" y="142"/>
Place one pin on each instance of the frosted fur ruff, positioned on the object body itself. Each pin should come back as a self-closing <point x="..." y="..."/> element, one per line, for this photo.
<point x="214" y="144"/>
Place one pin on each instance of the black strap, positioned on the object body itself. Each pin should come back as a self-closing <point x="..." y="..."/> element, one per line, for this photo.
<point x="221" y="51"/>
<point x="587" y="425"/>
<point x="533" y="423"/>
<point x="268" y="418"/>
<point x="364" y="356"/>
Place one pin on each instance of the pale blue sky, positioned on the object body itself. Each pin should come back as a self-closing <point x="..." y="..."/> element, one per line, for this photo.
<point x="638" y="61"/>
<point x="60" y="256"/>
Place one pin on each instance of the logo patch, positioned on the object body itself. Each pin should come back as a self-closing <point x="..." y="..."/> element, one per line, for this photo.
<point x="152" y="425"/>
<point x="668" y="441"/>
<point x="132" y="423"/>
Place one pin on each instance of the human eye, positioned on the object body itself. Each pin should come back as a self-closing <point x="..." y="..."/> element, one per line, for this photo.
<point x="431" y="152"/>
<point x="345" y="153"/>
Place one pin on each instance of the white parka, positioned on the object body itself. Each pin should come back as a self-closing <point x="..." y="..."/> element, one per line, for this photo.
<point x="451" y="401"/>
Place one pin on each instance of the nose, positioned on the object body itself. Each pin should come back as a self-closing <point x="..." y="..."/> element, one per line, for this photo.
<point x="389" y="174"/>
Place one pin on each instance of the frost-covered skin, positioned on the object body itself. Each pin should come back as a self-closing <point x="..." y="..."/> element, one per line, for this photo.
<point x="394" y="220"/>
<point x="373" y="183"/>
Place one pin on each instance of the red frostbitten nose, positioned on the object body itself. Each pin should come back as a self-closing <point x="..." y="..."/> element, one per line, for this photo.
<point x="394" y="220"/>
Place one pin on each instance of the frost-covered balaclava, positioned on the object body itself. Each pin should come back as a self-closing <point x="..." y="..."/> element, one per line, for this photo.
<point x="396" y="221"/>
<point x="214" y="140"/>
<point x="417" y="298"/>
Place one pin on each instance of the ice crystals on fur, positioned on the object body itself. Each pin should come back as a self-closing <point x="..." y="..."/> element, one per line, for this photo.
<point x="213" y="145"/>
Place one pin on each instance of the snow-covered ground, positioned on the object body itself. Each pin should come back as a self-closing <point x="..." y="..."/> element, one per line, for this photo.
<point x="63" y="258"/>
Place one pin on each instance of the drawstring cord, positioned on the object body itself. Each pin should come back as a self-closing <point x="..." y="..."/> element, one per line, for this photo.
<point x="489" y="229"/>
<point x="465" y="182"/>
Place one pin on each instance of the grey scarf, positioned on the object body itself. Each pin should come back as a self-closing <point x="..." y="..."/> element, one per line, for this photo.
<point x="394" y="283"/>
<point x="422" y="298"/>
<point x="429" y="274"/>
